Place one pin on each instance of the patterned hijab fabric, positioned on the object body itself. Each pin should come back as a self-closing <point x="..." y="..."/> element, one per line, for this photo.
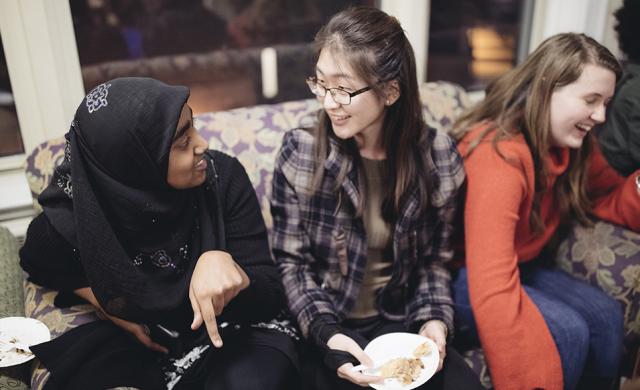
<point x="137" y="238"/>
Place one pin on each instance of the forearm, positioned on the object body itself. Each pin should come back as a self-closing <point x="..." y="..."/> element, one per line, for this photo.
<point x="432" y="300"/>
<point x="86" y="293"/>
<point x="262" y="300"/>
<point x="322" y="328"/>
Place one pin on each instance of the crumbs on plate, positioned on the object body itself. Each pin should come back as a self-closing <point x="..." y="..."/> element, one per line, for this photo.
<point x="406" y="370"/>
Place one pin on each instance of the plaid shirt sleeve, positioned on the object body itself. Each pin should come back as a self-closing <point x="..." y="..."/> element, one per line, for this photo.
<point x="433" y="296"/>
<point x="291" y="247"/>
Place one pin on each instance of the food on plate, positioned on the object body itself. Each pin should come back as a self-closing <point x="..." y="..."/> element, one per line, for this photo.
<point x="422" y="350"/>
<point x="406" y="370"/>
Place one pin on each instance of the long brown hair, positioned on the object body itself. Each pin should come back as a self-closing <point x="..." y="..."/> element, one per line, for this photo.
<point x="375" y="46"/>
<point x="519" y="103"/>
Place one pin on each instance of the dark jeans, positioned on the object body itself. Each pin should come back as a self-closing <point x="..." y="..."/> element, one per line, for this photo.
<point x="455" y="374"/>
<point x="586" y="324"/>
<point x="255" y="367"/>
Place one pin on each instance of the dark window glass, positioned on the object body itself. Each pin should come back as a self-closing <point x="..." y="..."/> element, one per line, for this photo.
<point x="212" y="46"/>
<point x="471" y="42"/>
<point x="10" y="138"/>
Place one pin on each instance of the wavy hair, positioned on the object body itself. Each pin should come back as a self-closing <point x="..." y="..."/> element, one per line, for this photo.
<point x="519" y="103"/>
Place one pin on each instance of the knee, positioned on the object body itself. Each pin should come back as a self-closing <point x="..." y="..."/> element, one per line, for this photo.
<point x="571" y="333"/>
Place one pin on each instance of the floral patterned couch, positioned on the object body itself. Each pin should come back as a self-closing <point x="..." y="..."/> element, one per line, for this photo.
<point x="606" y="255"/>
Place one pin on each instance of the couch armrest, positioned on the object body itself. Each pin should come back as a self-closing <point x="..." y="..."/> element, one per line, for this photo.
<point x="11" y="293"/>
<point x="11" y="303"/>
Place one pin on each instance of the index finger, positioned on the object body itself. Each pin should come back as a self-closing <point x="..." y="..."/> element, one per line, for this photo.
<point x="209" y="316"/>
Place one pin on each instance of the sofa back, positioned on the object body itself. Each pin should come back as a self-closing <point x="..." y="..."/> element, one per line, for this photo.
<point x="254" y="134"/>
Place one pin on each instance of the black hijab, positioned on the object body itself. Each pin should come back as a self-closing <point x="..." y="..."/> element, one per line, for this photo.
<point x="138" y="238"/>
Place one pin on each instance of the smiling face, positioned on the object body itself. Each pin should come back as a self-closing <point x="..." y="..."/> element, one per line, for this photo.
<point x="363" y="117"/>
<point x="577" y="107"/>
<point x="187" y="166"/>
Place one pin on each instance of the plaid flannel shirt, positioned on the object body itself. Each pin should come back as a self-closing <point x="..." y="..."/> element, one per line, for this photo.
<point x="320" y="245"/>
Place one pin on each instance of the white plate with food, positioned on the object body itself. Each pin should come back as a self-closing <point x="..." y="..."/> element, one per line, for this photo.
<point x="17" y="334"/>
<point x="406" y="360"/>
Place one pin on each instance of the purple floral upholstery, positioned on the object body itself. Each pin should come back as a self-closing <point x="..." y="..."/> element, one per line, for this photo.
<point x="608" y="256"/>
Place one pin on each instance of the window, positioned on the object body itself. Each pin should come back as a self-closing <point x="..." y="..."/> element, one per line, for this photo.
<point x="471" y="42"/>
<point x="10" y="137"/>
<point x="215" y="47"/>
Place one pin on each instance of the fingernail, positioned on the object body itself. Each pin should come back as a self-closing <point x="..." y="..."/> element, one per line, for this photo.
<point x="217" y="343"/>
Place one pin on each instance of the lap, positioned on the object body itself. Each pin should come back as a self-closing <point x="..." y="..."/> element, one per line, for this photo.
<point x="250" y="367"/>
<point x="593" y="305"/>
<point x="456" y="374"/>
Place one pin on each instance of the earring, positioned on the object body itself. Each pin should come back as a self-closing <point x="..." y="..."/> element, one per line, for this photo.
<point x="388" y="103"/>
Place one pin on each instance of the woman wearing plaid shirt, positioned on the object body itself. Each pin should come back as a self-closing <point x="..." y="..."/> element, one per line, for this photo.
<point x="363" y="207"/>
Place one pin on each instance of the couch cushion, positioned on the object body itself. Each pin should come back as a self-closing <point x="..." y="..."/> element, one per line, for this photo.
<point x="11" y="304"/>
<point x="608" y="256"/>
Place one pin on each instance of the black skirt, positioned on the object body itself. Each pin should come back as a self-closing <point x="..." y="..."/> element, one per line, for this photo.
<point x="100" y="355"/>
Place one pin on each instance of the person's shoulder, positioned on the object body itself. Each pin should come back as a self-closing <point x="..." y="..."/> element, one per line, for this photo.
<point x="222" y="161"/>
<point x="227" y="168"/>
<point x="441" y="143"/>
<point x="298" y="140"/>
<point x="442" y="150"/>
<point x="446" y="166"/>
<point x="297" y="149"/>
<point x="481" y="143"/>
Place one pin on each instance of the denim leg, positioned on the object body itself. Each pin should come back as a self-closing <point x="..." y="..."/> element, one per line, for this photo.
<point x="570" y="333"/>
<point x="466" y="331"/>
<point x="602" y="314"/>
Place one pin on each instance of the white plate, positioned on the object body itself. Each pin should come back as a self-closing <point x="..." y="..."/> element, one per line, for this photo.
<point x="396" y="345"/>
<point x="25" y="331"/>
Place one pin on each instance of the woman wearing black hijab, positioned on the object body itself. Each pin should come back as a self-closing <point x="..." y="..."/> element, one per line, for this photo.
<point x="165" y="238"/>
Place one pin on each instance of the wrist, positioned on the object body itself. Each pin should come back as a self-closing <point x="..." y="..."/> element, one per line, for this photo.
<point x="440" y="323"/>
<point x="322" y="329"/>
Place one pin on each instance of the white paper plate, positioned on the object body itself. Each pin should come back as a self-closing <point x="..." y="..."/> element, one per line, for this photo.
<point x="396" y="345"/>
<point x="25" y="331"/>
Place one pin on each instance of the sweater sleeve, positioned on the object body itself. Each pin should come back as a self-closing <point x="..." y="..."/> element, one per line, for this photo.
<point x="432" y="300"/>
<point x="308" y="301"/>
<point x="615" y="198"/>
<point x="49" y="259"/>
<point x="518" y="346"/>
<point x="247" y="243"/>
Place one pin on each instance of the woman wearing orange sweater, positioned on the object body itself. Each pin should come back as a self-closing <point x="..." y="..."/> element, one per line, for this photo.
<point x="531" y="166"/>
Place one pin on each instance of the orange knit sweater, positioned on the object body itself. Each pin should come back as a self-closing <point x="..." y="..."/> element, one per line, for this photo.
<point x="518" y="346"/>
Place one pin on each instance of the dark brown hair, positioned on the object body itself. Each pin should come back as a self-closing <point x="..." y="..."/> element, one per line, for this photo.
<point x="519" y="103"/>
<point x="376" y="48"/>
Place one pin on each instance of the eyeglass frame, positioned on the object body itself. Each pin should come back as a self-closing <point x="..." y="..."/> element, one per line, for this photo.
<point x="314" y="80"/>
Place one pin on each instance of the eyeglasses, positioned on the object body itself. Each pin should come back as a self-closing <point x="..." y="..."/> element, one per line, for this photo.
<point x="338" y="94"/>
